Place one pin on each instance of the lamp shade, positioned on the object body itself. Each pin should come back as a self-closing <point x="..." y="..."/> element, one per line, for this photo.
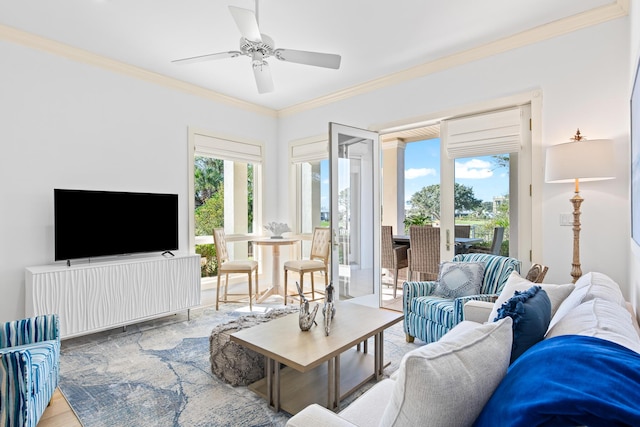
<point x="586" y="160"/>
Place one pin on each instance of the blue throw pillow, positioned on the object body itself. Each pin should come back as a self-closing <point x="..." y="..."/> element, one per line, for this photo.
<point x="531" y="314"/>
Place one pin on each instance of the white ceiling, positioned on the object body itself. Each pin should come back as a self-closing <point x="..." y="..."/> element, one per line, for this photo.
<point x="375" y="38"/>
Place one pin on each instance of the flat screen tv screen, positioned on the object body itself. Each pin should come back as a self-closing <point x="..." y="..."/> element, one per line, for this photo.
<point x="91" y="224"/>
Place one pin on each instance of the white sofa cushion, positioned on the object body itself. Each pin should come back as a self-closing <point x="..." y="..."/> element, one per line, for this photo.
<point x="556" y="293"/>
<point x="601" y="319"/>
<point x="367" y="410"/>
<point x="319" y="416"/>
<point x="449" y="381"/>
<point x="589" y="286"/>
<point x="599" y="285"/>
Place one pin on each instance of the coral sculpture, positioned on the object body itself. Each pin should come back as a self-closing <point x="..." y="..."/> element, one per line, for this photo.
<point x="277" y="228"/>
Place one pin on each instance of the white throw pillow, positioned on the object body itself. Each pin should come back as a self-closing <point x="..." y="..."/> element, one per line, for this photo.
<point x="556" y="293"/>
<point x="601" y="319"/>
<point x="589" y="286"/>
<point x="459" y="279"/>
<point x="448" y="382"/>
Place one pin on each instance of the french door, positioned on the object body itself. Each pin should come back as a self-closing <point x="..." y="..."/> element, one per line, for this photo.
<point x="477" y="138"/>
<point x="354" y="171"/>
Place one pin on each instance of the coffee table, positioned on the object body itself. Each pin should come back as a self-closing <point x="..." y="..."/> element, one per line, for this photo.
<point x="306" y="378"/>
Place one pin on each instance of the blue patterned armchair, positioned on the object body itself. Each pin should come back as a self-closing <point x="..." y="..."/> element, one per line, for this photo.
<point x="29" y="368"/>
<point x="429" y="317"/>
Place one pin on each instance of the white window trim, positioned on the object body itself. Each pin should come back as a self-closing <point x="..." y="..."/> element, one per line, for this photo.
<point x="303" y="150"/>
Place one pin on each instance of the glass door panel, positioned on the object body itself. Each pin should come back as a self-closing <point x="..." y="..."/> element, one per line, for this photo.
<point x="355" y="213"/>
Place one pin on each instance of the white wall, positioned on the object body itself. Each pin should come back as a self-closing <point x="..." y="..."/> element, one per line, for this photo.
<point x="634" y="264"/>
<point x="583" y="79"/>
<point x="65" y="124"/>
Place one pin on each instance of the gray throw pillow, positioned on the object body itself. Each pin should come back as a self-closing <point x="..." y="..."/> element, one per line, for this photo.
<point x="448" y="382"/>
<point x="459" y="279"/>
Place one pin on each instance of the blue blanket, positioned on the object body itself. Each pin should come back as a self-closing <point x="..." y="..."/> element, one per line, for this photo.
<point x="568" y="381"/>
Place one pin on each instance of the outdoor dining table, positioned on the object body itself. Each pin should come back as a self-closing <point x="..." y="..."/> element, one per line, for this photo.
<point x="463" y="243"/>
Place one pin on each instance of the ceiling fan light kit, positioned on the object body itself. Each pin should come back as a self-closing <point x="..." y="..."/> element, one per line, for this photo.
<point x="259" y="46"/>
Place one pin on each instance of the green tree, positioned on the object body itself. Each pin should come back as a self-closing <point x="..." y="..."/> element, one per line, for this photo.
<point x="209" y="178"/>
<point x="500" y="161"/>
<point x="500" y="219"/>
<point x="426" y="202"/>
<point x="250" y="195"/>
<point x="210" y="214"/>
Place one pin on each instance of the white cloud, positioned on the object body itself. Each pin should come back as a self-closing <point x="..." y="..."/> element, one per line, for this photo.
<point x="474" y="169"/>
<point x="417" y="173"/>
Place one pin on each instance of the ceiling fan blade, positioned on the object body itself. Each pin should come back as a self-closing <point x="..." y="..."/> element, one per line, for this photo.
<point x="262" y="73"/>
<point x="209" y="57"/>
<point x="247" y="23"/>
<point x="326" y="60"/>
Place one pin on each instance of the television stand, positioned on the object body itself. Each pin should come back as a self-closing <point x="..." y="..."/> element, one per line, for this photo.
<point x="105" y="295"/>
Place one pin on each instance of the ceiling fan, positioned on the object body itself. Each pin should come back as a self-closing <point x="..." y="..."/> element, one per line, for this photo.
<point x="259" y="46"/>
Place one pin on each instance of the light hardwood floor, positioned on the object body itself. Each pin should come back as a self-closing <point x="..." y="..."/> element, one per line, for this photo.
<point x="59" y="413"/>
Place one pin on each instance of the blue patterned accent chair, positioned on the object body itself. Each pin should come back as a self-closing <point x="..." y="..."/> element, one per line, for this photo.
<point x="29" y="368"/>
<point x="428" y="317"/>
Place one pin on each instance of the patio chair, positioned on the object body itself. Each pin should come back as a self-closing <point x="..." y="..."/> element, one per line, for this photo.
<point x="393" y="256"/>
<point x="428" y="317"/>
<point x="462" y="230"/>
<point x="29" y="368"/>
<point x="424" y="253"/>
<point x="226" y="267"/>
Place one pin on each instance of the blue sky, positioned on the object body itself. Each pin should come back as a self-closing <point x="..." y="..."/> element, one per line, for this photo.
<point x="422" y="168"/>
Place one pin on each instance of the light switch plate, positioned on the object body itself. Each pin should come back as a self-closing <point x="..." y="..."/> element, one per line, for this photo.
<point x="566" y="219"/>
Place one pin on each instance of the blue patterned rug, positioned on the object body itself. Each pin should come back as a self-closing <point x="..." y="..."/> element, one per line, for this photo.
<point x="158" y="373"/>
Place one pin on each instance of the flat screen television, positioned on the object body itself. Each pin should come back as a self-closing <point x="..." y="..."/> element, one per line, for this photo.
<point x="90" y="224"/>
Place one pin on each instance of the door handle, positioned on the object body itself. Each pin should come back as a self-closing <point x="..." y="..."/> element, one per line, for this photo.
<point x="448" y="239"/>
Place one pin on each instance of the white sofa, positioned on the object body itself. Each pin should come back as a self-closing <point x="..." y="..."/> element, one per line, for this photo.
<point x="450" y="381"/>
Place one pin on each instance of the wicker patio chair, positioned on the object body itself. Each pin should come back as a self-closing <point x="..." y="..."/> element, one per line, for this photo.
<point x="424" y="253"/>
<point x="463" y="230"/>
<point x="393" y="256"/>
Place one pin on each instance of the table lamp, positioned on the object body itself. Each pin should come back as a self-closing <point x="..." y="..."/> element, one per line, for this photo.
<point x="579" y="160"/>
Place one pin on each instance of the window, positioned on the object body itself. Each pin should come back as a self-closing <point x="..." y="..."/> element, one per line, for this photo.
<point x="225" y="191"/>
<point x="309" y="160"/>
<point x="223" y="196"/>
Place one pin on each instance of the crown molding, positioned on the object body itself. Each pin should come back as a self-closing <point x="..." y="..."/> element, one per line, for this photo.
<point x="36" y="42"/>
<point x="615" y="10"/>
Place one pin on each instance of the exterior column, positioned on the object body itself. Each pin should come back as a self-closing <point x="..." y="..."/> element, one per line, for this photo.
<point x="236" y="210"/>
<point x="393" y="184"/>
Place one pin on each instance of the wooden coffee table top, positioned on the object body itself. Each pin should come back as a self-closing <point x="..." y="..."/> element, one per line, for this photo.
<point x="282" y="340"/>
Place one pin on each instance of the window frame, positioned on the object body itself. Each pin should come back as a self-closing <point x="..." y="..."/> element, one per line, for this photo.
<point x="235" y="149"/>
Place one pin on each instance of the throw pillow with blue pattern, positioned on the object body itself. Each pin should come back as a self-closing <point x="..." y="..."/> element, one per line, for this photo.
<point x="459" y="279"/>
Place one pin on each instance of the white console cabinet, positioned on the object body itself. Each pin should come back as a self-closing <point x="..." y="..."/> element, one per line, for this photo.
<point x="102" y="295"/>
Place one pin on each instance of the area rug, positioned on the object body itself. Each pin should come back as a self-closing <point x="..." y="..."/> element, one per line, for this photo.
<point x="158" y="373"/>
